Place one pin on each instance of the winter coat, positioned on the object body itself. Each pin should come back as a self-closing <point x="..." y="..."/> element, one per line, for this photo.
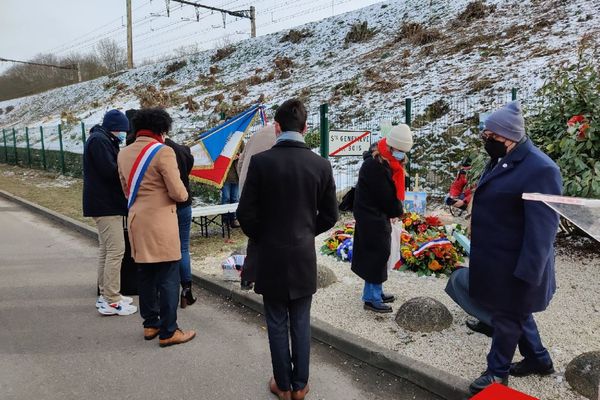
<point x="512" y="240"/>
<point x="102" y="194"/>
<point x="458" y="187"/>
<point x="152" y="221"/>
<point x="288" y="199"/>
<point x="232" y="173"/>
<point x="375" y="202"/>
<point x="261" y="141"/>
<point x="185" y="163"/>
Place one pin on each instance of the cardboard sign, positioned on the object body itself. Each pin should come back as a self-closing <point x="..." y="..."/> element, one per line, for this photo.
<point x="349" y="143"/>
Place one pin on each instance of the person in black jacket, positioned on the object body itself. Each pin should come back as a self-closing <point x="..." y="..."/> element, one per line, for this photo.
<point x="185" y="162"/>
<point x="377" y="199"/>
<point x="288" y="198"/>
<point x="103" y="200"/>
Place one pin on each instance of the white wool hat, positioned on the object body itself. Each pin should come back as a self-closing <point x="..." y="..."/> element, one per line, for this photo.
<point x="400" y="137"/>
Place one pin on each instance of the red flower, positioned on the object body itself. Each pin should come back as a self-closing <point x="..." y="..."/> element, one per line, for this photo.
<point x="576" y="119"/>
<point x="422" y="228"/>
<point x="582" y="130"/>
<point x="433" y="220"/>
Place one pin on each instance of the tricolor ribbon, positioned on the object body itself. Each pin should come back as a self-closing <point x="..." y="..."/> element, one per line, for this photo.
<point x="263" y="116"/>
<point x="139" y="169"/>
<point x="433" y="243"/>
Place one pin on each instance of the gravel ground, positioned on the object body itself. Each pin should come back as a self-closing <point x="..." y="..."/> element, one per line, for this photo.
<point x="569" y="327"/>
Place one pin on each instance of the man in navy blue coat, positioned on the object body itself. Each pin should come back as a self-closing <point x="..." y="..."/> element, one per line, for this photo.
<point x="511" y="272"/>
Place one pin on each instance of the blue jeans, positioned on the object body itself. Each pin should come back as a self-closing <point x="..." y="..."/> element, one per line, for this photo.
<point x="458" y="289"/>
<point x="159" y="296"/>
<point x="373" y="293"/>
<point x="290" y="371"/>
<point x="229" y="195"/>
<point x="184" y="217"/>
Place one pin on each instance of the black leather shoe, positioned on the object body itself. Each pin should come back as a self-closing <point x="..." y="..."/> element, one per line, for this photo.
<point x="480" y="327"/>
<point x="387" y="298"/>
<point x="246" y="285"/>
<point x="526" y="368"/>
<point x="378" y="308"/>
<point x="485" y="380"/>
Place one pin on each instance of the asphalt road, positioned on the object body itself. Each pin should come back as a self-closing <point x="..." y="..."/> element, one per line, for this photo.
<point x="55" y="345"/>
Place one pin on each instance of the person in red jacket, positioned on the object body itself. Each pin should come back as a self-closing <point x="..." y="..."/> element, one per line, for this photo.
<point x="460" y="192"/>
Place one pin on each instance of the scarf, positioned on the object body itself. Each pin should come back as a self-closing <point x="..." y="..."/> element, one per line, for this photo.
<point x="396" y="166"/>
<point x="150" y="134"/>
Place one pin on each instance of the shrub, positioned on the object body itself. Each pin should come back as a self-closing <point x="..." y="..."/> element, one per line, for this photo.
<point x="417" y="34"/>
<point x="150" y="96"/>
<point x="348" y="88"/>
<point x="167" y="82"/>
<point x="9" y="109"/>
<point x="296" y="36"/>
<point x="175" y="66"/>
<point x="473" y="11"/>
<point x="435" y="110"/>
<point x="283" y="63"/>
<point x="572" y="91"/>
<point x="206" y="193"/>
<point x="313" y="139"/>
<point x="222" y="53"/>
<point x="213" y="70"/>
<point x="254" y="80"/>
<point x="359" y="32"/>
<point x="481" y="84"/>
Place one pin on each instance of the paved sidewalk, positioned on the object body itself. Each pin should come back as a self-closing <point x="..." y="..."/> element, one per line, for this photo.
<point x="54" y="345"/>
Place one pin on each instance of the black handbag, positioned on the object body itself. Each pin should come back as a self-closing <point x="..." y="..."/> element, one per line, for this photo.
<point x="347" y="203"/>
<point x="129" y="269"/>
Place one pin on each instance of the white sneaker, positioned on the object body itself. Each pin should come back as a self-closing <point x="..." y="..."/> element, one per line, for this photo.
<point x="119" y="308"/>
<point x="100" y="301"/>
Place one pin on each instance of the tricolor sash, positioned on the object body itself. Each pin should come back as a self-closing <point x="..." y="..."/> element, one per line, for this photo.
<point x="139" y="169"/>
<point x="440" y="242"/>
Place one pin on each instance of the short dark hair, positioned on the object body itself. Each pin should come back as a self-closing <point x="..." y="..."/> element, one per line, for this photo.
<point x="291" y="115"/>
<point x="155" y="119"/>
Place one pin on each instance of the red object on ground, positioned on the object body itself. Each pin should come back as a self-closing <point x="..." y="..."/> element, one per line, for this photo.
<point x="497" y="391"/>
<point x="458" y="186"/>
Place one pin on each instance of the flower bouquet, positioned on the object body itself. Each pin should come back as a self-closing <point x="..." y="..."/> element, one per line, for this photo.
<point x="339" y="244"/>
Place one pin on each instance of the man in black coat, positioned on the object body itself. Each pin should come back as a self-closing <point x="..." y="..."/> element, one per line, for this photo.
<point x="185" y="163"/>
<point x="288" y="199"/>
<point x="103" y="200"/>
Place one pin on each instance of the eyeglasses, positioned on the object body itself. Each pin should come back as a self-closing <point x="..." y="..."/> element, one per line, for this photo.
<point x="485" y="135"/>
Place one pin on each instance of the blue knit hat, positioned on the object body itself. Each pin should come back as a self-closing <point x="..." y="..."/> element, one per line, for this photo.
<point x="115" y="121"/>
<point x="507" y="122"/>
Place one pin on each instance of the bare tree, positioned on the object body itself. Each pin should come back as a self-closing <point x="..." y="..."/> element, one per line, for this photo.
<point x="111" y="55"/>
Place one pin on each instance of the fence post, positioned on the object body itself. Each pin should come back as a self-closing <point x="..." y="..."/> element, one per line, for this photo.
<point x="514" y="94"/>
<point x="28" y="149"/>
<point x="324" y="129"/>
<point x="83" y="133"/>
<point x="5" y="148"/>
<point x="15" y="145"/>
<point x="43" y="148"/>
<point x="408" y="121"/>
<point x="62" y="153"/>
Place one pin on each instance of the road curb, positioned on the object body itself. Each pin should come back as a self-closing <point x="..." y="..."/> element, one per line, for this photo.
<point x="441" y="383"/>
<point x="68" y="222"/>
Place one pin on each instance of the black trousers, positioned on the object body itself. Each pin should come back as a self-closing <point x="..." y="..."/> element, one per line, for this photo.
<point x="159" y="296"/>
<point x="289" y="369"/>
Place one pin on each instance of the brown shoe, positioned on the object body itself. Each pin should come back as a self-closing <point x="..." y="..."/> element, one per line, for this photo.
<point x="281" y="395"/>
<point x="150" y="333"/>
<point x="178" y="337"/>
<point x="300" y="394"/>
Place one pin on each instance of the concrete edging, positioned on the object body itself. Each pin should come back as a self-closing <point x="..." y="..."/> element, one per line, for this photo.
<point x="439" y="382"/>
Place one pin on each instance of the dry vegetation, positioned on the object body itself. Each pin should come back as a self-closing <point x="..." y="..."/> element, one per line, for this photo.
<point x="175" y="66"/>
<point x="222" y="53"/>
<point x="296" y="36"/>
<point x="417" y="34"/>
<point x="150" y="96"/>
<point x="359" y="32"/>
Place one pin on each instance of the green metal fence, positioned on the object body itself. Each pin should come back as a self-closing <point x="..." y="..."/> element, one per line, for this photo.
<point x="441" y="126"/>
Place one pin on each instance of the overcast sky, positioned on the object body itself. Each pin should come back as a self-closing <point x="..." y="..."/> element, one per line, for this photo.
<point x="31" y="27"/>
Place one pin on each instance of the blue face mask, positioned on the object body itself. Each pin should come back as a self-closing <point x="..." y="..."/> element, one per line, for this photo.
<point x="398" y="155"/>
<point x="122" y="136"/>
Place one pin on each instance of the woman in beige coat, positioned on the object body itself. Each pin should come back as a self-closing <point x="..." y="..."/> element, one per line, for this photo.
<point x="150" y="180"/>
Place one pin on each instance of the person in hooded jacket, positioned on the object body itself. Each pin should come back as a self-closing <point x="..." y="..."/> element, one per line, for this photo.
<point x="378" y="199"/>
<point x="103" y="200"/>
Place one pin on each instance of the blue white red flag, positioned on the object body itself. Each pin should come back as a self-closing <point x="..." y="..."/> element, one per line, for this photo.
<point x="215" y="152"/>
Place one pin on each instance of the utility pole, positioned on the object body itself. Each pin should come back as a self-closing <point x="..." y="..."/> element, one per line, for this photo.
<point x="252" y="21"/>
<point x="129" y="37"/>
<point x="249" y="14"/>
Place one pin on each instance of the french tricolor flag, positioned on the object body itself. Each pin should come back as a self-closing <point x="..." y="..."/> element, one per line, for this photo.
<point x="213" y="155"/>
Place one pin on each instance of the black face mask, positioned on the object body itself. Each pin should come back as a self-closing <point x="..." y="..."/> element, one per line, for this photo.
<point x="495" y="148"/>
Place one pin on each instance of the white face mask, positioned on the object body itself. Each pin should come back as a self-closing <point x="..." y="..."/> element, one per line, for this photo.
<point x="398" y="155"/>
